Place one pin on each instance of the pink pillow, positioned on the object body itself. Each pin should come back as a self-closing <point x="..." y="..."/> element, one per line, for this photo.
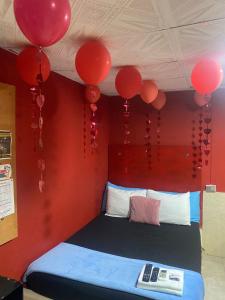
<point x="144" y="210"/>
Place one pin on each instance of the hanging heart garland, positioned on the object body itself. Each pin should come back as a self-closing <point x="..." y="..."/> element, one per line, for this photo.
<point x="148" y="146"/>
<point x="194" y="149"/>
<point x="200" y="134"/>
<point x="84" y="129"/>
<point x="158" y="134"/>
<point x="207" y="111"/>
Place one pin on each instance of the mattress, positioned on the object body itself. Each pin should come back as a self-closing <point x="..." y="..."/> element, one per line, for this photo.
<point x="174" y="245"/>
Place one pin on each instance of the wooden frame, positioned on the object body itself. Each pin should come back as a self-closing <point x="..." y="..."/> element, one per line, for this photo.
<point x="5" y="144"/>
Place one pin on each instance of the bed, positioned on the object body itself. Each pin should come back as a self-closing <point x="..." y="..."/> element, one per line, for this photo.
<point x="174" y="245"/>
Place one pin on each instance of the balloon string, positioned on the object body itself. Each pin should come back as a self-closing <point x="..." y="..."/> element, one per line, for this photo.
<point x="34" y="117"/>
<point x="207" y="131"/>
<point x="148" y="146"/>
<point x="40" y="75"/>
<point x="200" y="138"/>
<point x="158" y="135"/>
<point x="210" y="116"/>
<point x="194" y="148"/>
<point x="93" y="132"/>
<point x="126" y="141"/>
<point x="84" y="129"/>
<point x="126" y="116"/>
<point x="40" y="99"/>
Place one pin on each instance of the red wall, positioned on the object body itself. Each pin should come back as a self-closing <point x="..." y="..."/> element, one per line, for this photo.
<point x="74" y="183"/>
<point x="176" y="124"/>
<point x="67" y="205"/>
<point x="218" y="142"/>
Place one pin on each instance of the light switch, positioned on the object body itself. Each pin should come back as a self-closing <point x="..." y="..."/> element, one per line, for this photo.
<point x="210" y="188"/>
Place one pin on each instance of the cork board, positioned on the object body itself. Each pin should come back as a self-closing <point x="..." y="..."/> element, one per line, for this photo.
<point x="8" y="225"/>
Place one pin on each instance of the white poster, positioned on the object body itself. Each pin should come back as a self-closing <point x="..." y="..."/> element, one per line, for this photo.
<point x="5" y="171"/>
<point x="7" y="204"/>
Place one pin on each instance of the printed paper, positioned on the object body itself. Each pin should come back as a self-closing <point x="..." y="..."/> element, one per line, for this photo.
<point x="7" y="204"/>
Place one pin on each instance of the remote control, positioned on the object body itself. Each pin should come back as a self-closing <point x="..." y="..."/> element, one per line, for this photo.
<point x="147" y="272"/>
<point x="154" y="276"/>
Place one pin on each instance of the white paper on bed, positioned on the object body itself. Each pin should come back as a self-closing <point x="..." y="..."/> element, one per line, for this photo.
<point x="169" y="286"/>
<point x="118" y="201"/>
<point x="174" y="209"/>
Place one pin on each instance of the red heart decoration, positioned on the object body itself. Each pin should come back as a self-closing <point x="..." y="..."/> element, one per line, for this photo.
<point x="41" y="185"/>
<point x="207" y="131"/>
<point x="207" y="120"/>
<point x="41" y="122"/>
<point x="206" y="142"/>
<point x="207" y="152"/>
<point x="93" y="107"/>
<point x="40" y="100"/>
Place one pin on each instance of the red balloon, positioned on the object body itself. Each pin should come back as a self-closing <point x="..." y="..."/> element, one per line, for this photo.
<point x="93" y="62"/>
<point x="160" y="101"/>
<point x="207" y="76"/>
<point x="128" y="82"/>
<point x="149" y="91"/>
<point x="33" y="65"/>
<point x="43" y="22"/>
<point x="92" y="93"/>
<point x="202" y="100"/>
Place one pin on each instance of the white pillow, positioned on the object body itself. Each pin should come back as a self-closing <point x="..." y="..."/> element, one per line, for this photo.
<point x="118" y="201"/>
<point x="174" y="209"/>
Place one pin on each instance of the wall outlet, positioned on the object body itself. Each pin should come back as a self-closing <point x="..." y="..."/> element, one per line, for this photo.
<point x="210" y="188"/>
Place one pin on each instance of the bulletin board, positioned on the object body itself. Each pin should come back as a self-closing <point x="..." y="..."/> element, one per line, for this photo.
<point x="8" y="223"/>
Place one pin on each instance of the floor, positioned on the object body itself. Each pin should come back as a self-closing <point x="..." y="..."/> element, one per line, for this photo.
<point x="213" y="271"/>
<point x="29" y="295"/>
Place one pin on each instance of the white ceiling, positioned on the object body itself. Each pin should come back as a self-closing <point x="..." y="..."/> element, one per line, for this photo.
<point x="163" y="38"/>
